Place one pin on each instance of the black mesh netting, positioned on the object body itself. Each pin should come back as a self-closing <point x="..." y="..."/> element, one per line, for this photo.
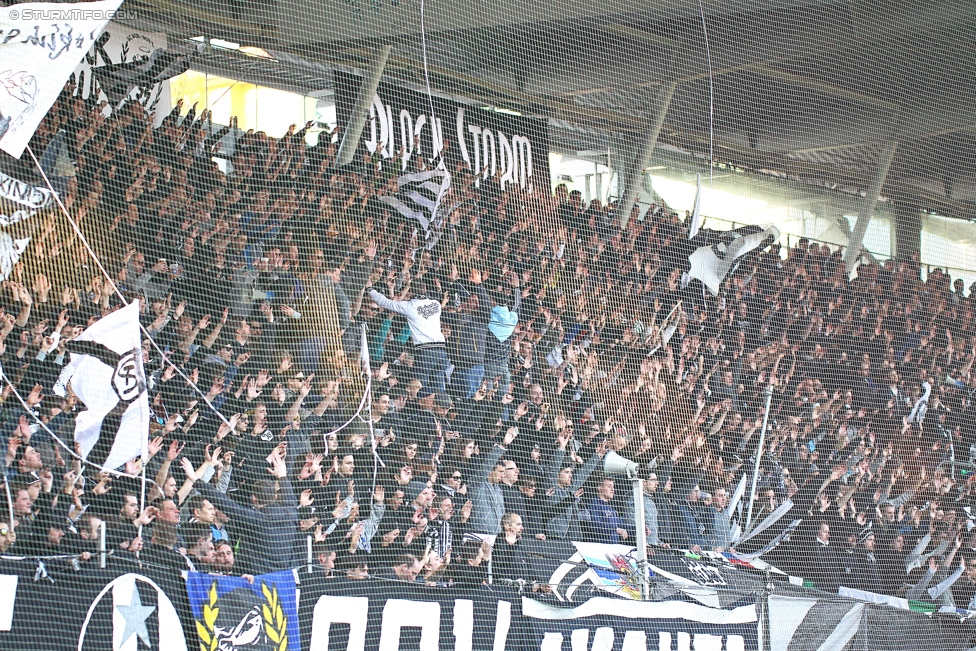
<point x="387" y="377"/>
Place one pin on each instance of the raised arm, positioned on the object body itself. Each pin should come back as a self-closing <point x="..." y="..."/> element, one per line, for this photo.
<point x="484" y="469"/>
<point x="387" y="304"/>
<point x="584" y="473"/>
<point x="211" y="338"/>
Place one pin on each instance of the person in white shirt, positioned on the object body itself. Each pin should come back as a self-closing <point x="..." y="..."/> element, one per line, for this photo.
<point x="424" y="318"/>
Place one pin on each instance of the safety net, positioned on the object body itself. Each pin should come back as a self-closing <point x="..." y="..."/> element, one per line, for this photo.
<point x="558" y="325"/>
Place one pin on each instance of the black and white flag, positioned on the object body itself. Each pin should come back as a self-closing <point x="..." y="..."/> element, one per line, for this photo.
<point x="424" y="198"/>
<point x="118" y="80"/>
<point x="20" y="200"/>
<point x="711" y="264"/>
<point x="106" y="374"/>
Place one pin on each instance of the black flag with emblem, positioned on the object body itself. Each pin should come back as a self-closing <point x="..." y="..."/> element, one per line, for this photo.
<point x="423" y="197"/>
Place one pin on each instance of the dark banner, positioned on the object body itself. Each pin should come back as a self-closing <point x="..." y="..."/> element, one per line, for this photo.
<point x="127" y="608"/>
<point x="405" y="124"/>
<point x="53" y="607"/>
<point x="620" y="625"/>
<point x="142" y="609"/>
<point x="341" y="614"/>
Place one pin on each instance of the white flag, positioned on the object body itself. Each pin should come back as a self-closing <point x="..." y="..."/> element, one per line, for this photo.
<point x="42" y="44"/>
<point x="710" y="264"/>
<point x="10" y="252"/>
<point x="107" y="375"/>
<point x="921" y="405"/>
<point x="696" y="217"/>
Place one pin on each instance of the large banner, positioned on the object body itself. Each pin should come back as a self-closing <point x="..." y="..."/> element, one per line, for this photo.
<point x="119" y="44"/>
<point x="404" y="124"/>
<point x="41" y="45"/>
<point x="612" y="624"/>
<point x="389" y="615"/>
<point x="55" y="607"/>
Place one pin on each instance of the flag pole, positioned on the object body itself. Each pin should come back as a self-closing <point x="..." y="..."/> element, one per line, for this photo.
<point x="142" y="498"/>
<point x="10" y="501"/>
<point x="759" y="452"/>
<point x="144" y="456"/>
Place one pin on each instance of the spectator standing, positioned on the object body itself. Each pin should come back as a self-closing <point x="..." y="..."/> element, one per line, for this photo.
<point x="605" y="525"/>
<point x="423" y="315"/>
<point x="485" y="488"/>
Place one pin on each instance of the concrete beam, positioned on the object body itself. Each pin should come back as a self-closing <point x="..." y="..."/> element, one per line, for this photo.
<point x="907" y="230"/>
<point x="870" y="202"/>
<point x="353" y="133"/>
<point x="632" y="181"/>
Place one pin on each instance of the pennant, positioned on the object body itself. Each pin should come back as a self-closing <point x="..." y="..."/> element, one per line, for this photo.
<point x="421" y="197"/>
<point x="711" y="264"/>
<point x="118" y="80"/>
<point x="42" y="45"/>
<point x="667" y="328"/>
<point x="772" y="544"/>
<point x="770" y="520"/>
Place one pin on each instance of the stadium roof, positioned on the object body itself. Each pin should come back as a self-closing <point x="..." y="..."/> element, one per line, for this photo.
<point x="809" y="91"/>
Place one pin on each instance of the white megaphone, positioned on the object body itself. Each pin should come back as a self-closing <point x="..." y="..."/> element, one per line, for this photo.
<point x="614" y="464"/>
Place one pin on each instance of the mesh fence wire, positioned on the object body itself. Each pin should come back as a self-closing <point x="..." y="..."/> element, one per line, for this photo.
<point x="275" y="386"/>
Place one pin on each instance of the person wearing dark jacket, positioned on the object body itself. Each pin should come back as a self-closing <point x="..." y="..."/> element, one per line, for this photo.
<point x="868" y="572"/>
<point x="892" y="565"/>
<point x="605" y="524"/>
<point x="567" y="487"/>
<point x="535" y="507"/>
<point x="271" y="521"/>
<point x="689" y="530"/>
<point x="508" y="559"/>
<point x="514" y="500"/>
<point x="848" y="562"/>
<point x="826" y="567"/>
<point x="466" y="345"/>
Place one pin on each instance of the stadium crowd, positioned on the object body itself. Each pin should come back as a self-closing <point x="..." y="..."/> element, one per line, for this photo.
<point x="505" y="362"/>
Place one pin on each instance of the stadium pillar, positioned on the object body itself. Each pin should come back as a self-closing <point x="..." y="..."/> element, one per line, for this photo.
<point x="867" y="208"/>
<point x="635" y="172"/>
<point x="353" y="132"/>
<point x="907" y="230"/>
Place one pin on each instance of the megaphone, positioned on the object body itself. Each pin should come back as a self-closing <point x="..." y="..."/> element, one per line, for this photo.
<point x="614" y="464"/>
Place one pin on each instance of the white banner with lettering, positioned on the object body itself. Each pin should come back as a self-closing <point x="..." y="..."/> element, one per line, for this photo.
<point x="40" y="45"/>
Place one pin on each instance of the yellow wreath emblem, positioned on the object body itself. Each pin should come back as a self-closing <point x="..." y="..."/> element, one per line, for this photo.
<point x="205" y="628"/>
<point x="275" y="622"/>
